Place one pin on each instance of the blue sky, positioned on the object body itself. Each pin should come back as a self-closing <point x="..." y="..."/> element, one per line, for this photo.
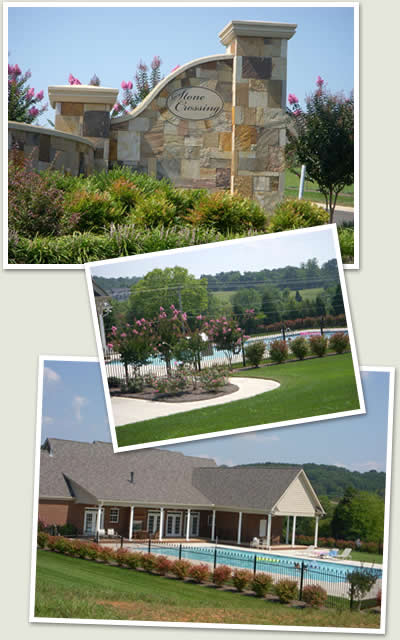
<point x="74" y="409"/>
<point x="251" y="254"/>
<point x="55" y="41"/>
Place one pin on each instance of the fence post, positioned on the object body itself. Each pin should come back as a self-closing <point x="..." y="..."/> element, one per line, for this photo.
<point x="149" y="549"/>
<point x="255" y="564"/>
<point x="215" y="556"/>
<point x="180" y="552"/>
<point x="351" y="596"/>
<point x="301" y="580"/>
<point x="122" y="541"/>
<point x="243" y="353"/>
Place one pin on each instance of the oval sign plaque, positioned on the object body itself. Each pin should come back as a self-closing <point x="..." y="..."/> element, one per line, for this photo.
<point x="195" y="103"/>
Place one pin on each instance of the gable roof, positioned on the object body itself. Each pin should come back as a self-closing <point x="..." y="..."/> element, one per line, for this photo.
<point x="161" y="477"/>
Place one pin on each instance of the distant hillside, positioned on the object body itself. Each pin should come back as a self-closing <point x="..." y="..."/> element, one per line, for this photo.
<point x="332" y="481"/>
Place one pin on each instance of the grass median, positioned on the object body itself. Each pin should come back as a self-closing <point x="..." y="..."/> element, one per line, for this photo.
<point x="308" y="388"/>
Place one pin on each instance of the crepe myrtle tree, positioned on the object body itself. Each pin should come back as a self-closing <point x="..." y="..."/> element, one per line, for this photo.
<point x="321" y="136"/>
<point x="226" y="335"/>
<point x="145" y="81"/>
<point x="169" y="327"/>
<point x="24" y="103"/>
<point x="136" y="344"/>
<point x="194" y="344"/>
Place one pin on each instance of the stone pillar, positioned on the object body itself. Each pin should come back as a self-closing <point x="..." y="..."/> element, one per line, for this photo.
<point x="84" y="110"/>
<point x="259" y="118"/>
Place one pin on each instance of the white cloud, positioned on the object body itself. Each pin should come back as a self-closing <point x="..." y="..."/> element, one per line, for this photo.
<point x="50" y="375"/>
<point x="77" y="403"/>
<point x="259" y="437"/>
<point x="47" y="420"/>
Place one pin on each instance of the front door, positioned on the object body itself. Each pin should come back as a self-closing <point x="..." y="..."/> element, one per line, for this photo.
<point x="174" y="525"/>
<point x="90" y="521"/>
<point x="263" y="528"/>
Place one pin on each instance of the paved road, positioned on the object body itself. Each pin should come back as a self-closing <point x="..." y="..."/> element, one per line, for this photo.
<point x="128" y="410"/>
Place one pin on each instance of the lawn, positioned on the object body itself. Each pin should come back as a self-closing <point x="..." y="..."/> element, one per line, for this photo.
<point x="363" y="556"/>
<point x="309" y="388"/>
<point x="345" y="198"/>
<point x="73" y="588"/>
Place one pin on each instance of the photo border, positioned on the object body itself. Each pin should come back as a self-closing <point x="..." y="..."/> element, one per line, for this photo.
<point x="235" y="4"/>
<point x="207" y="625"/>
<point x="225" y="432"/>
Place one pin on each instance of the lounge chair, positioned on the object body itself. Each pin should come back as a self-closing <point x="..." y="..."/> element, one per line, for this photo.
<point x="346" y="553"/>
<point x="255" y="543"/>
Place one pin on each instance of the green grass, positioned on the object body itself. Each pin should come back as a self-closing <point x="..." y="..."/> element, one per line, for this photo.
<point x="308" y="294"/>
<point x="345" y="198"/>
<point x="72" y="588"/>
<point x="363" y="556"/>
<point x="309" y="388"/>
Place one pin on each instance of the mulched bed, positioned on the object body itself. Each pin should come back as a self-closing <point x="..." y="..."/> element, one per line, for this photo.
<point x="183" y="396"/>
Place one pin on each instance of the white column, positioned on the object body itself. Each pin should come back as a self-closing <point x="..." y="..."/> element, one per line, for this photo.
<point x="239" y="527"/>
<point x="316" y="532"/>
<point x="131" y="522"/>
<point x="269" y="530"/>
<point x="294" y="531"/>
<point x="102" y="330"/>
<point x="287" y="528"/>
<point x="188" y="525"/>
<point x="161" y="523"/>
<point x="98" y="520"/>
<point x="213" y="525"/>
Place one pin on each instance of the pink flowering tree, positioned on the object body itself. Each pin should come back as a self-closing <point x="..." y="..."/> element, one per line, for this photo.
<point x="145" y="80"/>
<point x="194" y="344"/>
<point x="24" y="103"/>
<point x="169" y="328"/>
<point x="321" y="137"/>
<point x="135" y="343"/>
<point x="226" y="335"/>
<point x="94" y="80"/>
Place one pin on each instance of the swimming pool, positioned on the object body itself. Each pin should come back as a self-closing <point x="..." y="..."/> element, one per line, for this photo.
<point x="218" y="356"/>
<point x="313" y="569"/>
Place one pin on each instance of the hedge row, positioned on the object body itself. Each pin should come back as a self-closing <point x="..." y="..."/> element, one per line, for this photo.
<point x="261" y="583"/>
<point x="304" y="323"/>
<point x="368" y="547"/>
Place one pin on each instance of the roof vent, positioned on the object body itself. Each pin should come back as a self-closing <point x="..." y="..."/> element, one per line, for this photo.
<point x="132" y="477"/>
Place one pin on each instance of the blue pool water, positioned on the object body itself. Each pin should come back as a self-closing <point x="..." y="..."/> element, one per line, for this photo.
<point x="289" y="566"/>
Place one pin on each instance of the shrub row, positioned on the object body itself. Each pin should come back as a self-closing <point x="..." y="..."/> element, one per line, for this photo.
<point x="299" y="347"/>
<point x="368" y="547"/>
<point x="261" y="583"/>
<point x="305" y="323"/>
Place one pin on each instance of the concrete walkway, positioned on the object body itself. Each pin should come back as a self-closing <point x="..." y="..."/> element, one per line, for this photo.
<point x="128" y="410"/>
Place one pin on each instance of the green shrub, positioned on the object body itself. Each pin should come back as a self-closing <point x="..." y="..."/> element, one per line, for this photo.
<point x="162" y="565"/>
<point x="299" y="347"/>
<point x="134" y="385"/>
<point x="339" y="342"/>
<point x="155" y="210"/>
<point x="297" y="214"/>
<point x="278" y="351"/>
<point x="133" y="560"/>
<point x="42" y="539"/>
<point x="346" y="241"/>
<point x="221" y="575"/>
<point x="184" y="200"/>
<point x="149" y="562"/>
<point x="113" y="381"/>
<point x="318" y="345"/>
<point x="286" y="590"/>
<point x="199" y="572"/>
<point x="254" y="352"/>
<point x="180" y="568"/>
<point x="361" y="582"/>
<point x="124" y="192"/>
<point x="213" y="378"/>
<point x="314" y="595"/>
<point x="241" y="578"/>
<point x="92" y="551"/>
<point x="106" y="554"/>
<point x="92" y="211"/>
<point x="126" y="240"/>
<point x="225" y="212"/>
<point x="261" y="584"/>
<point x="121" y="556"/>
<point x="67" y="530"/>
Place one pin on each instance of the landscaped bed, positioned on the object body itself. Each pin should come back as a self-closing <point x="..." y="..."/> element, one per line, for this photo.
<point x="68" y="587"/>
<point x="191" y="395"/>
<point x="308" y="388"/>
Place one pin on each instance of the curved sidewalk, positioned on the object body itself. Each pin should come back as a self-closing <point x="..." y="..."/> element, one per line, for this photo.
<point x="128" y="410"/>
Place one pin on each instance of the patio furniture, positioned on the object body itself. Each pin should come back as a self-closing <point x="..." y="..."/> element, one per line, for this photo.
<point x="346" y="553"/>
<point x="255" y="543"/>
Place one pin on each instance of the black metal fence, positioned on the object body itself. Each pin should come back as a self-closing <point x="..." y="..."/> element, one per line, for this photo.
<point x="332" y="578"/>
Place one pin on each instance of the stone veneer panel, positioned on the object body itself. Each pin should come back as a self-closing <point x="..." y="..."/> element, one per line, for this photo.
<point x="96" y="124"/>
<point x="253" y="67"/>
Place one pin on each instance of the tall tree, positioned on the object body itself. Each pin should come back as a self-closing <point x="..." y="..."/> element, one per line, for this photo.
<point x="359" y="514"/>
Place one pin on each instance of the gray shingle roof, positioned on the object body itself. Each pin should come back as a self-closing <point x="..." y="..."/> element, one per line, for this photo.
<point x="244" y="487"/>
<point x="160" y="477"/>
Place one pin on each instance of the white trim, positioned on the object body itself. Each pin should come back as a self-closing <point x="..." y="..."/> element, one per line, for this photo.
<point x="117" y="514"/>
<point x="93" y="512"/>
<point x="294" y="531"/>
<point x="173" y="517"/>
<point x="239" y="534"/>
